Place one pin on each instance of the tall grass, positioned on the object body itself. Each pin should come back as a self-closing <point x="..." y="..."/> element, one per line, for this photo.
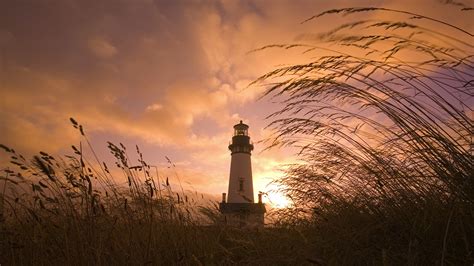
<point x="382" y="114"/>
<point x="72" y="211"/>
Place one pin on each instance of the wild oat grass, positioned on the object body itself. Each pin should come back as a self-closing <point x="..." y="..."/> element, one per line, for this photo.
<point x="70" y="211"/>
<point x="382" y="114"/>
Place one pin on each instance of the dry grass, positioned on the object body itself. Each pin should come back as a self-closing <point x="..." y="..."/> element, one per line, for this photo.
<point x="70" y="211"/>
<point x="384" y="124"/>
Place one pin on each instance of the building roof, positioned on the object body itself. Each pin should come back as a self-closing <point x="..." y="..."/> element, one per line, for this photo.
<point x="242" y="207"/>
<point x="241" y="125"/>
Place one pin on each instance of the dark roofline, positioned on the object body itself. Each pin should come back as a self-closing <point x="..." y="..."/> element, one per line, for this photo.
<point x="242" y="207"/>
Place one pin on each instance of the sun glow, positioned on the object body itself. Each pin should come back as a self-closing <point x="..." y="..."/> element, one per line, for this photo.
<point x="273" y="192"/>
<point x="275" y="197"/>
<point x="278" y="200"/>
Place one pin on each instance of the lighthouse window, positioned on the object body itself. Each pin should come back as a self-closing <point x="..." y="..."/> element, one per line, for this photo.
<point x="241" y="184"/>
<point x="240" y="132"/>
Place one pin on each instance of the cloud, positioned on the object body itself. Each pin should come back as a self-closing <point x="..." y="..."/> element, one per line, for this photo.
<point x="154" y="107"/>
<point x="101" y="48"/>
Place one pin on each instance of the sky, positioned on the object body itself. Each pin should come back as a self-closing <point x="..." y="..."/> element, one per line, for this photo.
<point x="169" y="76"/>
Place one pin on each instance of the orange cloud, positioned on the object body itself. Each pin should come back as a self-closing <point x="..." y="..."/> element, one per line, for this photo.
<point x="101" y="48"/>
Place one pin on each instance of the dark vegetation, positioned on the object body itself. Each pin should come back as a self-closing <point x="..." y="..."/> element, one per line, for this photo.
<point x="383" y="120"/>
<point x="382" y="116"/>
<point x="67" y="211"/>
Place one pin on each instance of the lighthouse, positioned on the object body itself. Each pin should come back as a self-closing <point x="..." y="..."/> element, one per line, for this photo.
<point x="238" y="206"/>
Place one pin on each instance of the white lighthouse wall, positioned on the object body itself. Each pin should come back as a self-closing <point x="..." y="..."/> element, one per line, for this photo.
<point x="240" y="168"/>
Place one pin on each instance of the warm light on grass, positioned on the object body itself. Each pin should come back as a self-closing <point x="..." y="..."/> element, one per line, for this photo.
<point x="274" y="197"/>
<point x="278" y="200"/>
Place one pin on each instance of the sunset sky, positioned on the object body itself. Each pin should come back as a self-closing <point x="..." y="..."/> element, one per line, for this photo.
<point x="169" y="76"/>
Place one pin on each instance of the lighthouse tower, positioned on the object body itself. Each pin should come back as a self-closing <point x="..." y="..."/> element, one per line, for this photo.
<point x="239" y="208"/>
